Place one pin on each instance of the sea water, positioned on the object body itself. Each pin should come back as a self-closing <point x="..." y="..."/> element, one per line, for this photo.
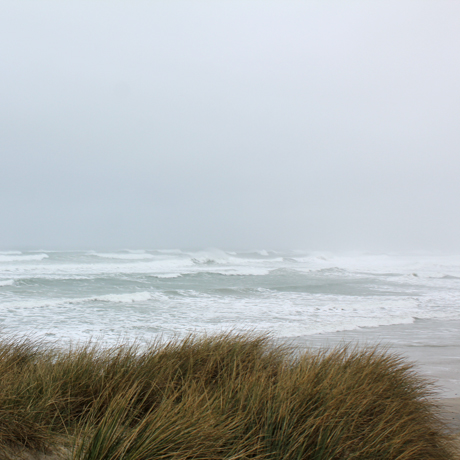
<point x="410" y="301"/>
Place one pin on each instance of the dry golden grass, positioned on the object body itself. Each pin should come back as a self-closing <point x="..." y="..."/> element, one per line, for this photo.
<point x="222" y="397"/>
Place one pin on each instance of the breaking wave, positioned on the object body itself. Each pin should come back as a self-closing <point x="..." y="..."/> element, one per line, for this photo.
<point x="22" y="257"/>
<point x="6" y="282"/>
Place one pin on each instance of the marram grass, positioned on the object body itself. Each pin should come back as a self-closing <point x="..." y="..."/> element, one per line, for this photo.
<point x="221" y="397"/>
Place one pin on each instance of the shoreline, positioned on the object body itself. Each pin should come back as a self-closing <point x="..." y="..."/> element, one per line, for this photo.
<point x="422" y="343"/>
<point x="432" y="346"/>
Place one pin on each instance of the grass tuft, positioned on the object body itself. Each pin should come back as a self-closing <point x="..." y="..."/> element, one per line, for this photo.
<point x="229" y="397"/>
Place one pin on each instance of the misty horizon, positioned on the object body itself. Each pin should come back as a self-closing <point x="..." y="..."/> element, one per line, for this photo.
<point x="235" y="125"/>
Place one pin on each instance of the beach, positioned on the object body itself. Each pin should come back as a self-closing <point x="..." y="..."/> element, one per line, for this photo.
<point x="451" y="414"/>
<point x="421" y="343"/>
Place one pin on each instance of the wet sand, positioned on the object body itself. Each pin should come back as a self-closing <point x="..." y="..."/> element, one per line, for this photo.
<point x="451" y="414"/>
<point x="432" y="346"/>
<point x="451" y="411"/>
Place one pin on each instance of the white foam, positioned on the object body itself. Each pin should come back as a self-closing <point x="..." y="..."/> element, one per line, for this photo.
<point x="347" y="292"/>
<point x="6" y="282"/>
<point x="22" y="257"/>
<point x="30" y="305"/>
<point x="211" y="256"/>
<point x="123" y="256"/>
<point x="168" y="275"/>
<point x="123" y="298"/>
<point x="242" y="271"/>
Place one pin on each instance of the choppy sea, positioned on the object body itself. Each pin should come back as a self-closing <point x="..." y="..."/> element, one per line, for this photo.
<point x="172" y="292"/>
<point x="144" y="294"/>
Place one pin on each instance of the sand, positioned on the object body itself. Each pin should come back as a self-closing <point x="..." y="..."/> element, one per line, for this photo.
<point x="451" y="411"/>
<point x="451" y="415"/>
<point x="432" y="346"/>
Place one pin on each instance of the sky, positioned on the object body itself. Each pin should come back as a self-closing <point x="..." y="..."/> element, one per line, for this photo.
<point x="316" y="125"/>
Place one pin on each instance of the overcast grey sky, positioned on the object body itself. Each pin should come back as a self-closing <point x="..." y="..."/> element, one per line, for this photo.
<point x="237" y="124"/>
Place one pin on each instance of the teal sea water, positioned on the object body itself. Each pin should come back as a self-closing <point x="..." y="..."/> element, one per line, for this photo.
<point x="172" y="292"/>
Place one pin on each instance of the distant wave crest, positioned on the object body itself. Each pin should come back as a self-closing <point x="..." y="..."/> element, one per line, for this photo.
<point x="6" y="282"/>
<point x="22" y="257"/>
<point x="124" y="298"/>
<point x="123" y="256"/>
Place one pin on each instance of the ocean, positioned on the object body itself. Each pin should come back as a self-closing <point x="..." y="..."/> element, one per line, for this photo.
<point x="410" y="303"/>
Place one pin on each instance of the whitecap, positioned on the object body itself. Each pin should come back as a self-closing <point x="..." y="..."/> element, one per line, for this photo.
<point x="167" y="275"/>
<point x="210" y="256"/>
<point x="123" y="256"/>
<point x="124" y="298"/>
<point x="6" y="282"/>
<point x="22" y="257"/>
<point x="243" y="271"/>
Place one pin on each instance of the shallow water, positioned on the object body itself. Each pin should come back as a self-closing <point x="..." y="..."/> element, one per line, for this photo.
<point x="410" y="301"/>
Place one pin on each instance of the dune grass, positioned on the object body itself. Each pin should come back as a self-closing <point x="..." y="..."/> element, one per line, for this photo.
<point x="221" y="397"/>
